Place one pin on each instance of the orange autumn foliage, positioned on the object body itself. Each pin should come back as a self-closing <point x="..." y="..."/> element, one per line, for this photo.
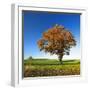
<point x="57" y="40"/>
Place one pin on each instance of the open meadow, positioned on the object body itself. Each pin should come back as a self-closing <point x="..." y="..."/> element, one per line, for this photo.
<point x="48" y="67"/>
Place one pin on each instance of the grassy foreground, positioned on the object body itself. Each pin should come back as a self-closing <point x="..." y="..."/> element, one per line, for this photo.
<point x="46" y="67"/>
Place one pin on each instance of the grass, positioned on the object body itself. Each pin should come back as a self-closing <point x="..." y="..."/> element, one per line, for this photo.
<point x="47" y="67"/>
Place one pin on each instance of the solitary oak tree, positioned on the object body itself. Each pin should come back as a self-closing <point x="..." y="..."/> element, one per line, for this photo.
<point x="57" y="40"/>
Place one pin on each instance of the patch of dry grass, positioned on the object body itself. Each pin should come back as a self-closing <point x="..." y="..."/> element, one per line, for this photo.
<point x="51" y="68"/>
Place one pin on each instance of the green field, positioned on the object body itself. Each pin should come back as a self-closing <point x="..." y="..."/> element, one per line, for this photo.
<point x="47" y="67"/>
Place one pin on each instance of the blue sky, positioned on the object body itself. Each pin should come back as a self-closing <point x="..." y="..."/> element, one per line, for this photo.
<point x="36" y="22"/>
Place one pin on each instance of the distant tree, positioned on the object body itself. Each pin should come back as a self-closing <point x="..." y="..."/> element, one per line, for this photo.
<point x="30" y="58"/>
<point x="57" y="40"/>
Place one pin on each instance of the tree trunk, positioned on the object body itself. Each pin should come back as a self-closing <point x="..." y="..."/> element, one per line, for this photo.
<point x="60" y="59"/>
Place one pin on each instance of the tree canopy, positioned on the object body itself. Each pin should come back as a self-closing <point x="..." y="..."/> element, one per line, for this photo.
<point x="57" y="40"/>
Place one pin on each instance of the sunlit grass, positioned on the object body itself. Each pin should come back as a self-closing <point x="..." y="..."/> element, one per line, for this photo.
<point x="45" y="67"/>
